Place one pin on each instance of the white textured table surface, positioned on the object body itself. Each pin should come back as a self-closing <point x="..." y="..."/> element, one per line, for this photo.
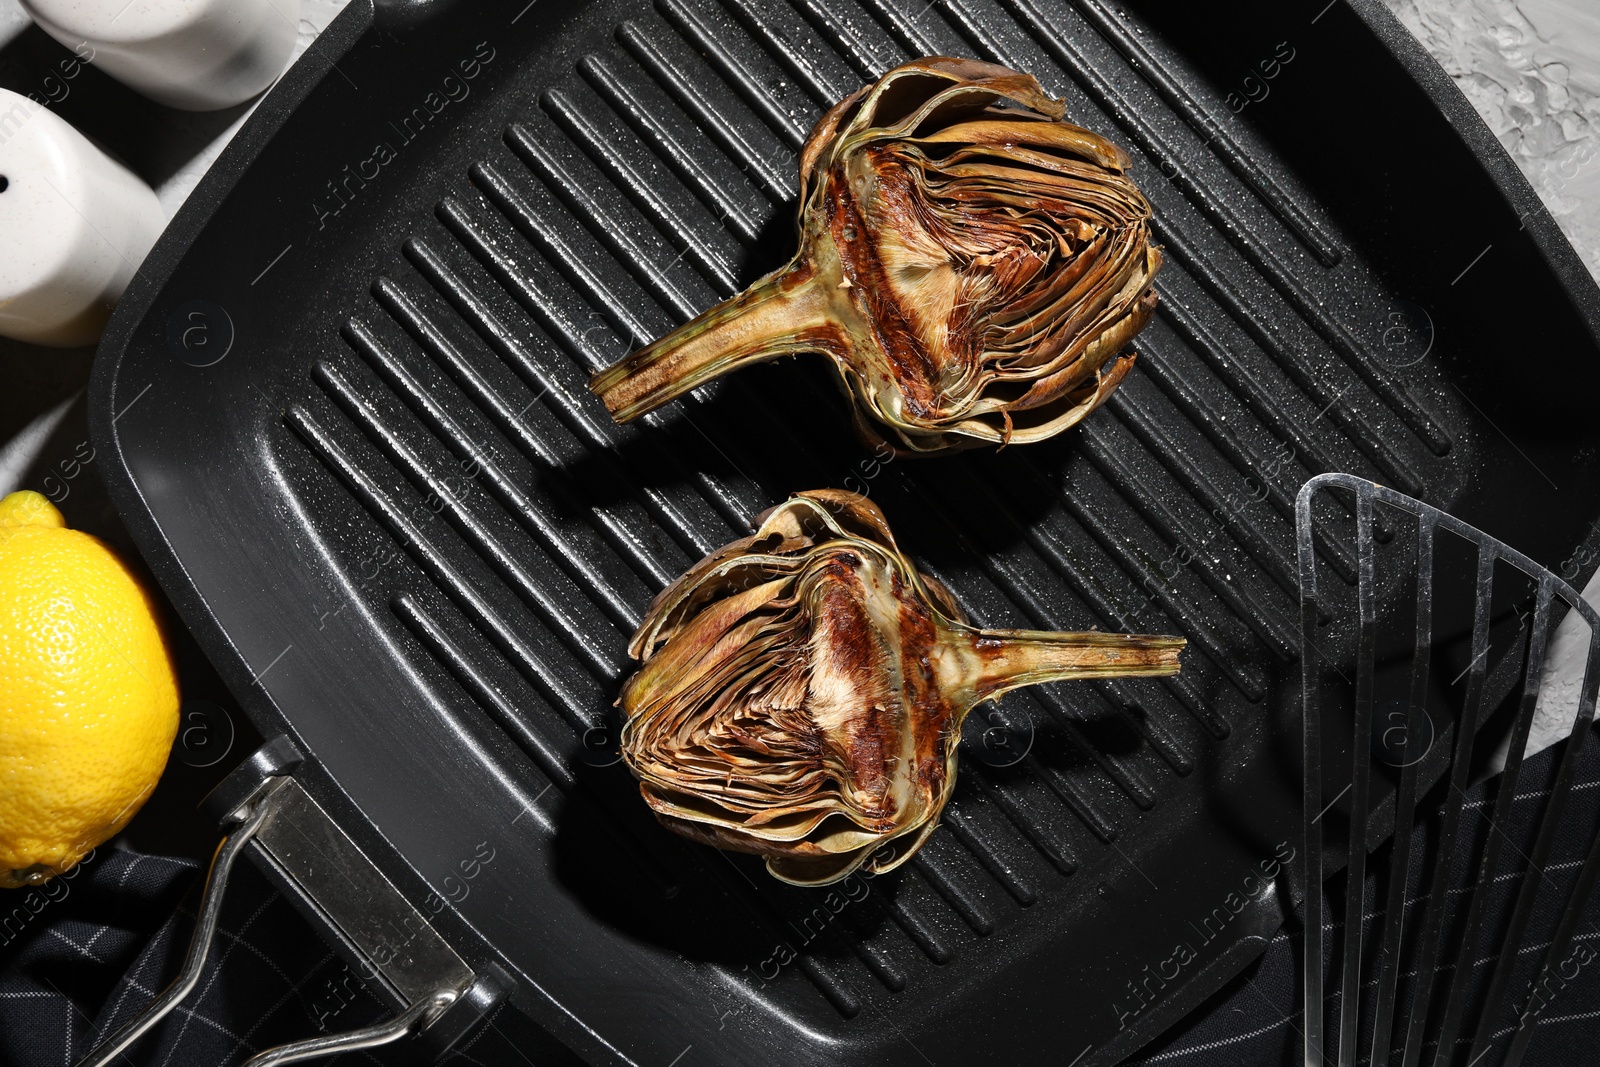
<point x="1532" y="70"/>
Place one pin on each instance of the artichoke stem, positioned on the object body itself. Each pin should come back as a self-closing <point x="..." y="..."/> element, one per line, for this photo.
<point x="786" y="312"/>
<point x="1012" y="659"/>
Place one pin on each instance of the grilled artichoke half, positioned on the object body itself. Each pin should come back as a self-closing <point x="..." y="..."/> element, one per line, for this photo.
<point x="802" y="691"/>
<point x="973" y="265"/>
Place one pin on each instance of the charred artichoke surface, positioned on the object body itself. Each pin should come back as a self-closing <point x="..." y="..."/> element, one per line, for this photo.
<point x="973" y="265"/>
<point x="802" y="691"/>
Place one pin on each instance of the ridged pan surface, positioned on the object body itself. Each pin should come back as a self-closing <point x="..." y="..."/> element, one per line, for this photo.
<point x="348" y="408"/>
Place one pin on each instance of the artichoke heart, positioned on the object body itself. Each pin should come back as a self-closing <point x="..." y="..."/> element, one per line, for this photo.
<point x="801" y="691"/>
<point x="973" y="265"/>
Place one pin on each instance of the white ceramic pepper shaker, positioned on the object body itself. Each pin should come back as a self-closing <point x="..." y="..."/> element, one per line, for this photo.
<point x="74" y="226"/>
<point x="198" y="55"/>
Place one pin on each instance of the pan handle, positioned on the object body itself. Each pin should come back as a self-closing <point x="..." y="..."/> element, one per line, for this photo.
<point x="262" y="803"/>
<point x="418" y="1016"/>
<point x="250" y="819"/>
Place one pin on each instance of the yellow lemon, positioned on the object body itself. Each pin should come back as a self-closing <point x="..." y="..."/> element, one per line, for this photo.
<point x="88" y="696"/>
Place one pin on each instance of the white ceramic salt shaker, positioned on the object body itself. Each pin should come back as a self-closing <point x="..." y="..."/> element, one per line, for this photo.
<point x="74" y="226"/>
<point x="198" y="55"/>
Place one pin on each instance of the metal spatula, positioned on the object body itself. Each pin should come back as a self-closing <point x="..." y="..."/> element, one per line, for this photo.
<point x="1431" y="733"/>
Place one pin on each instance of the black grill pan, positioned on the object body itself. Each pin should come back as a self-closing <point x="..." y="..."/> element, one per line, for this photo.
<point x="345" y="417"/>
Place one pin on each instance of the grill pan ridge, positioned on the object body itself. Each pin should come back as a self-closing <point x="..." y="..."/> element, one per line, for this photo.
<point x="451" y="542"/>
